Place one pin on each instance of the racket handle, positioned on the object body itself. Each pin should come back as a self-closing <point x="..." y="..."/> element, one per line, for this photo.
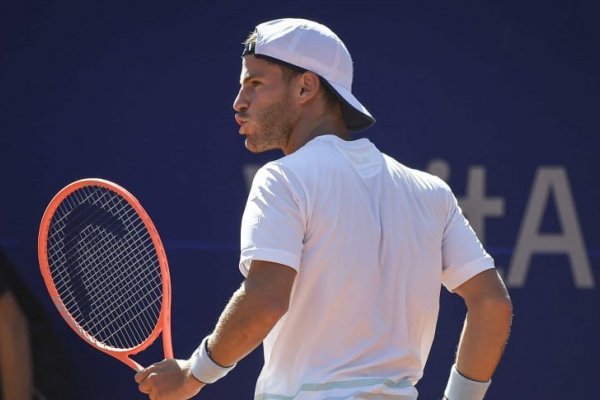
<point x="128" y="361"/>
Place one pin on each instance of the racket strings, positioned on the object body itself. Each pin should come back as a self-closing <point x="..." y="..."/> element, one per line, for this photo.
<point x="116" y="276"/>
<point x="105" y="267"/>
<point x="106" y="258"/>
<point x="95" y="321"/>
<point x="126" y="311"/>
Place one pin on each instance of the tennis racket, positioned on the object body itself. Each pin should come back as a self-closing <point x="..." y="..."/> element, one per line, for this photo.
<point x="106" y="269"/>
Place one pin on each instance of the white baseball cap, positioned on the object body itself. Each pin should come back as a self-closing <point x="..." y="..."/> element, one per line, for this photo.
<point x="313" y="47"/>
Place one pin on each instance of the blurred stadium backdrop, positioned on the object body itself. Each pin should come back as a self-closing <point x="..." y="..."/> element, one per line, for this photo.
<point x="500" y="99"/>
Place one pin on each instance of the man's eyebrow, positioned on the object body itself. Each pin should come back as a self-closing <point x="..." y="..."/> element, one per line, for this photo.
<point x="248" y="76"/>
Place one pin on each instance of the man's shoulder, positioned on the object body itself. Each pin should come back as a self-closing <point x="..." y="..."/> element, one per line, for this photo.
<point x="313" y="156"/>
<point x="414" y="176"/>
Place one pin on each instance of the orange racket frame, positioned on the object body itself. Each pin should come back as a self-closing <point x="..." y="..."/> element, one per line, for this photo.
<point x="164" y="320"/>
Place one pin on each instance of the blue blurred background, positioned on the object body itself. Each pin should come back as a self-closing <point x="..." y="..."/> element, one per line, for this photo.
<point x="500" y="98"/>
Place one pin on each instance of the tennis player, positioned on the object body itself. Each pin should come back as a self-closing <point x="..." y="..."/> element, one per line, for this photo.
<point x="344" y="249"/>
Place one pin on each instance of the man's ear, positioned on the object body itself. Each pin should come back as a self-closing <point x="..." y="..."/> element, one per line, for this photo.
<point x="308" y="86"/>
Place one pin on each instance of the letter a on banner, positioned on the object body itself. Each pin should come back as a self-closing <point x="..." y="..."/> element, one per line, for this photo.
<point x="551" y="180"/>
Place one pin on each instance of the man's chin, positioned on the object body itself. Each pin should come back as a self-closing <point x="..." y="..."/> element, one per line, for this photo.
<point x="253" y="150"/>
<point x="257" y="148"/>
<point x="250" y="146"/>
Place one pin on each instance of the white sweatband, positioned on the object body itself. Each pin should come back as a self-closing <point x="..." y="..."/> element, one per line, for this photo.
<point x="204" y="368"/>
<point x="462" y="388"/>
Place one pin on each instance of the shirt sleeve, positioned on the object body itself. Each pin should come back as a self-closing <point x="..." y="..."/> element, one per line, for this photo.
<point x="463" y="255"/>
<point x="273" y="223"/>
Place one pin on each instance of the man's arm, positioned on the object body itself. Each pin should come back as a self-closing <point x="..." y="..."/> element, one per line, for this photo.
<point x="485" y="332"/>
<point x="487" y="326"/>
<point x="251" y="313"/>
<point x="15" y="352"/>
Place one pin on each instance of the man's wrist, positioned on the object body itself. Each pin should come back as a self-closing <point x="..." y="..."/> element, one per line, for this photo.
<point x="462" y="388"/>
<point x="204" y="368"/>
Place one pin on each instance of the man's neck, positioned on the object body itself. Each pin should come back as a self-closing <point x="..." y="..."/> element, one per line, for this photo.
<point x="308" y="129"/>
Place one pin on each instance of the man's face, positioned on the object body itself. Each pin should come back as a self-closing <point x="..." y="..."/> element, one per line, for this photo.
<point x="264" y="105"/>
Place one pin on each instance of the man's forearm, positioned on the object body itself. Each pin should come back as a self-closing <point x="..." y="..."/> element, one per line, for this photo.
<point x="484" y="335"/>
<point x="242" y="326"/>
<point x="252" y="312"/>
<point x="483" y="338"/>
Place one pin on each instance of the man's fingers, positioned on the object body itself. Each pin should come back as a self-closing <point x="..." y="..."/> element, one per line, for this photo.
<point x="143" y="374"/>
<point x="168" y="379"/>
<point x="145" y="386"/>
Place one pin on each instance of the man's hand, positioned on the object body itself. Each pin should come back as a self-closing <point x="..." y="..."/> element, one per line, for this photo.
<point x="168" y="380"/>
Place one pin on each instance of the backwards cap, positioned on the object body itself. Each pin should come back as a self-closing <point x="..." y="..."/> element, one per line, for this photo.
<point x="314" y="47"/>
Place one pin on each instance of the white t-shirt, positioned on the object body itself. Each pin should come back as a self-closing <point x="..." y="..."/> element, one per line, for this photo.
<point x="372" y="241"/>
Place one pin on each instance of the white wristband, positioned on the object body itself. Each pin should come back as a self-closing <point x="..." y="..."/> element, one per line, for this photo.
<point x="462" y="388"/>
<point x="204" y="368"/>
